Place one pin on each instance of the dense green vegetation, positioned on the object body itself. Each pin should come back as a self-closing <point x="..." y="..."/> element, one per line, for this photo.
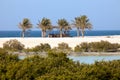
<point x="55" y="67"/>
<point x="103" y="46"/>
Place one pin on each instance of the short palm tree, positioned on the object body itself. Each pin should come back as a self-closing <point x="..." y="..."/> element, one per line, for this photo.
<point x="26" y="24"/>
<point x="44" y="24"/>
<point x="82" y="23"/>
<point x="62" y="23"/>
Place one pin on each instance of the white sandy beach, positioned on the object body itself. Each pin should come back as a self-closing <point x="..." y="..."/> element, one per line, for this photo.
<point x="72" y="41"/>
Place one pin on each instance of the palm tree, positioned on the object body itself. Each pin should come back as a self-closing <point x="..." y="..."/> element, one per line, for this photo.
<point x="85" y="24"/>
<point x="44" y="24"/>
<point x="26" y="24"/>
<point x="62" y="23"/>
<point x="82" y="23"/>
<point x="67" y="28"/>
<point x="77" y="24"/>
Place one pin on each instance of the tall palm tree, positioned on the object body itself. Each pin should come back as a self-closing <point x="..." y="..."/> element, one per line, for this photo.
<point x="44" y="24"/>
<point x="26" y="24"/>
<point x="82" y="23"/>
<point x="62" y="23"/>
<point x="77" y="24"/>
<point x="85" y="24"/>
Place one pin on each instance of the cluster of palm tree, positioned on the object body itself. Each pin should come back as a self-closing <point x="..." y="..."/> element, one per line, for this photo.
<point x="81" y="23"/>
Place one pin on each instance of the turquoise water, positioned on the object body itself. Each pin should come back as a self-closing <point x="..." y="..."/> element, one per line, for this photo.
<point x="22" y="57"/>
<point x="89" y="59"/>
<point x="92" y="59"/>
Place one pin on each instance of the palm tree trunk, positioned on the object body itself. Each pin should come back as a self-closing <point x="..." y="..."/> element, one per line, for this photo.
<point x="45" y="34"/>
<point x="82" y="32"/>
<point x="23" y="33"/>
<point x="48" y="33"/>
<point x="60" y="33"/>
<point x="42" y="34"/>
<point x="78" y="32"/>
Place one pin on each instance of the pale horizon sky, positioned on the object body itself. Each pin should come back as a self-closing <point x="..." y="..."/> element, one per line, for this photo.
<point x="103" y="14"/>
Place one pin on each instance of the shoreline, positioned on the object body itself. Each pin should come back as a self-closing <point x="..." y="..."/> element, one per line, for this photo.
<point x="77" y="54"/>
<point x="95" y="54"/>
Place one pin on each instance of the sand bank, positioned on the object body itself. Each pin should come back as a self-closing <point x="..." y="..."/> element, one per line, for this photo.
<point x="72" y="41"/>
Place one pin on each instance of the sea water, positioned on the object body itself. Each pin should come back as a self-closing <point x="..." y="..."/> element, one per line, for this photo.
<point x="72" y="33"/>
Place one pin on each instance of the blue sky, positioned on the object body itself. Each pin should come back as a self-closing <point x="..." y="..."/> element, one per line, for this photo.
<point x="103" y="14"/>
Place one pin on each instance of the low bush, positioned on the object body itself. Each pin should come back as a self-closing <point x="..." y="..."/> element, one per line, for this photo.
<point x="63" y="47"/>
<point x="42" y="48"/>
<point x="83" y="47"/>
<point x="13" y="45"/>
<point x="103" y="46"/>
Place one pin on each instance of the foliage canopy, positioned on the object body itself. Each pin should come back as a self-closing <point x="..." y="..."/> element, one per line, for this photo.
<point x="55" y="67"/>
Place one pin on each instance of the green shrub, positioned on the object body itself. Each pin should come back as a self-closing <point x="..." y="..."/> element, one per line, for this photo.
<point x="83" y="47"/>
<point x="2" y="50"/>
<point x="28" y="50"/>
<point x="54" y="54"/>
<point x="13" y="44"/>
<point x="103" y="46"/>
<point x="77" y="48"/>
<point x="63" y="47"/>
<point x="42" y="48"/>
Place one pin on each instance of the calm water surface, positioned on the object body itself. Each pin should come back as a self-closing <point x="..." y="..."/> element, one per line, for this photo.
<point x="92" y="59"/>
<point x="89" y="59"/>
<point x="72" y="33"/>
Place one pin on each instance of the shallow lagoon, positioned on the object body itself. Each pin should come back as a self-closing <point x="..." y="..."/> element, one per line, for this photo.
<point x="89" y="59"/>
<point x="92" y="59"/>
